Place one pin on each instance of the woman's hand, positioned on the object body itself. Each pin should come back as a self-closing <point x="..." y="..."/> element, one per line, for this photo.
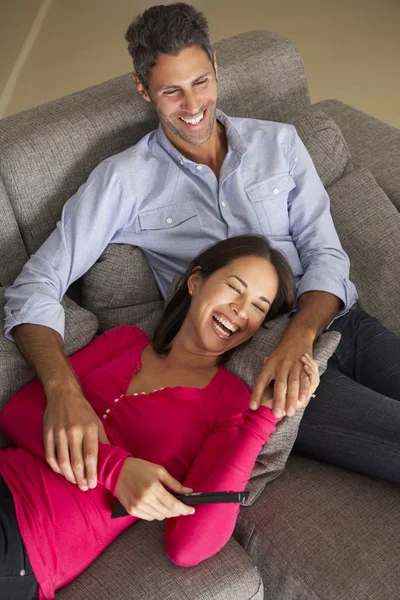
<point x="142" y="493"/>
<point x="310" y="367"/>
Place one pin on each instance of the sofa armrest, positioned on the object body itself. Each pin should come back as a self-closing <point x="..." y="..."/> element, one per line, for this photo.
<point x="372" y="143"/>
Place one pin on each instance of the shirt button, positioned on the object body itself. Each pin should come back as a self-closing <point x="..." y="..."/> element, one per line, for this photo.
<point x="22" y="572"/>
<point x="116" y="399"/>
<point x="108" y="410"/>
<point x="275" y="191"/>
<point x="199" y="167"/>
<point x="169" y="220"/>
<point x="104" y="416"/>
<point x="223" y="203"/>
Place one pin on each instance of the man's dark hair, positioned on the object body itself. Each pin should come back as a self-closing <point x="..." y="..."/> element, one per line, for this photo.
<point x="165" y="30"/>
<point x="211" y="260"/>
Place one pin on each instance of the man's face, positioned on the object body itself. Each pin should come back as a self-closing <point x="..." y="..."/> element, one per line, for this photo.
<point x="183" y="90"/>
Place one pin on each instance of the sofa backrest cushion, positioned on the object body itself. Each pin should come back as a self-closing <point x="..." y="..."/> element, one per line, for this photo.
<point x="12" y="249"/>
<point x="120" y="288"/>
<point x="325" y="143"/>
<point x="368" y="225"/>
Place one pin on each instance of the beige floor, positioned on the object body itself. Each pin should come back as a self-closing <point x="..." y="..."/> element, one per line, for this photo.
<point x="350" y="48"/>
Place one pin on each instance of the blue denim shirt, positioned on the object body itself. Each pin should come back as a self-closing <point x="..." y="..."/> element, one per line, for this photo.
<point x="153" y="197"/>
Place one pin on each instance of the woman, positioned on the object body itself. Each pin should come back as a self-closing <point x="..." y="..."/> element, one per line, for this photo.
<point x="165" y="402"/>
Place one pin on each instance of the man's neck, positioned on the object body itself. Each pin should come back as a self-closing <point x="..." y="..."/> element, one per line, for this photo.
<point x="212" y="153"/>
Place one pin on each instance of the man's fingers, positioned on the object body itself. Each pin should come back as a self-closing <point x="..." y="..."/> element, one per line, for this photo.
<point x="263" y="381"/>
<point x="101" y="432"/>
<point x="50" y="450"/>
<point x="305" y="387"/>
<point x="75" y="442"/>
<point x="292" y="394"/>
<point x="90" y="456"/>
<point x="63" y="457"/>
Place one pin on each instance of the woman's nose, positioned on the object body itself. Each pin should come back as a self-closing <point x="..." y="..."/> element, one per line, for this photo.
<point x="240" y="309"/>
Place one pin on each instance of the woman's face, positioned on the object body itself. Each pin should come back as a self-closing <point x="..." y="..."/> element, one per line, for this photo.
<point x="228" y="307"/>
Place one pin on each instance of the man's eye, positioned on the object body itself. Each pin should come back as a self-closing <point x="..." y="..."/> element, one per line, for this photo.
<point x="202" y="82"/>
<point x="234" y="288"/>
<point x="170" y="92"/>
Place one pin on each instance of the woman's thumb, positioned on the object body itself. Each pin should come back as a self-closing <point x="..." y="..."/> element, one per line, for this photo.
<point x="174" y="485"/>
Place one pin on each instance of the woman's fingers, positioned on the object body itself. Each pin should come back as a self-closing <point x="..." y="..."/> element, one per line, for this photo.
<point x="310" y="367"/>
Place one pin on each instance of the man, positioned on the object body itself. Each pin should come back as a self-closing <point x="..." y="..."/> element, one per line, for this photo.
<point x="199" y="178"/>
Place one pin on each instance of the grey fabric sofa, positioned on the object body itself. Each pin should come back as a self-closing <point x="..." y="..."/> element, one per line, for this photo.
<point x="316" y="532"/>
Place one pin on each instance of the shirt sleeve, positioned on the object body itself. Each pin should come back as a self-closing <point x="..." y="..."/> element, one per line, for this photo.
<point x="237" y="442"/>
<point x="325" y="264"/>
<point x="89" y="221"/>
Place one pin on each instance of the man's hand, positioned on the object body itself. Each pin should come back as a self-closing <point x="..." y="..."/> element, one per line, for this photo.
<point x="310" y="367"/>
<point x="142" y="493"/>
<point x="283" y="370"/>
<point x="72" y="432"/>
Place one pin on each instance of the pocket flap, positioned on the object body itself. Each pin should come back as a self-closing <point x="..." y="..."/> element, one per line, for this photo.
<point x="167" y="217"/>
<point x="273" y="186"/>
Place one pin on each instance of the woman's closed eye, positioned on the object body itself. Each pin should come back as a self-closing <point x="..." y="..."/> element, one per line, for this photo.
<point x="260" y="308"/>
<point x="238" y="291"/>
<point x="233" y="287"/>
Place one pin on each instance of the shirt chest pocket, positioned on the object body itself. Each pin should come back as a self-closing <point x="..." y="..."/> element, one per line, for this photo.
<point x="172" y="223"/>
<point x="270" y="202"/>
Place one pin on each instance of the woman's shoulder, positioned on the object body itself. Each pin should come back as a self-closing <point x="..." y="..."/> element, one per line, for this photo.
<point x="229" y="379"/>
<point x="233" y="393"/>
<point x="123" y="336"/>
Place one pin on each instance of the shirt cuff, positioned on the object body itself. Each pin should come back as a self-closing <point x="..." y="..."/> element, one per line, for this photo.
<point x="39" y="309"/>
<point x="339" y="286"/>
<point x="111" y="459"/>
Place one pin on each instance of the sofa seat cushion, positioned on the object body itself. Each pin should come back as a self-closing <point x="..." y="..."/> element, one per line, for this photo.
<point x="325" y="143"/>
<point x="80" y="328"/>
<point x="323" y="533"/>
<point x="120" y="288"/>
<point x="136" y="567"/>
<point x="368" y="225"/>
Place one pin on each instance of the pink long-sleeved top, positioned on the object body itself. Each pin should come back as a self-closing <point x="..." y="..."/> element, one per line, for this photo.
<point x="206" y="438"/>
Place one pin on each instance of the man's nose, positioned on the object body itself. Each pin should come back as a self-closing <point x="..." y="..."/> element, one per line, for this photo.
<point x="190" y="104"/>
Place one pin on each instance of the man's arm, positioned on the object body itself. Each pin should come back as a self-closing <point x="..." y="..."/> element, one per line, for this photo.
<point x="323" y="291"/>
<point x="291" y="383"/>
<point x="35" y="317"/>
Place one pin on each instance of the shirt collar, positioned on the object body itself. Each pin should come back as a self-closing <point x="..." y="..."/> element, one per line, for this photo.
<point x="236" y="143"/>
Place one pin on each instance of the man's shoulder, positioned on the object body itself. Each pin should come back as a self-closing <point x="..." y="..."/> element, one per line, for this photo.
<point x="253" y="130"/>
<point x="135" y="156"/>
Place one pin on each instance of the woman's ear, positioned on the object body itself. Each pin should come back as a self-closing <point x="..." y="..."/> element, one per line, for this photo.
<point x="194" y="281"/>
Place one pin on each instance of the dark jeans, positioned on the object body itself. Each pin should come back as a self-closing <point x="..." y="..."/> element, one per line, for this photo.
<point x="354" y="421"/>
<point x="17" y="581"/>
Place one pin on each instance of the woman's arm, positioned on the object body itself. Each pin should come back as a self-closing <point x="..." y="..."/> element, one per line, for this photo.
<point x="224" y="463"/>
<point x="21" y="419"/>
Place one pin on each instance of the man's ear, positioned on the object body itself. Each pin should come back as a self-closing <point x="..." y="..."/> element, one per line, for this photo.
<point x="140" y="88"/>
<point x="215" y="63"/>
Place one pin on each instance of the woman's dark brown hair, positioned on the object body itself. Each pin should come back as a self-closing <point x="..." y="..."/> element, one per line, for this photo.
<point x="211" y="260"/>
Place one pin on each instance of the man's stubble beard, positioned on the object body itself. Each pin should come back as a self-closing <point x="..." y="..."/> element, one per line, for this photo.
<point x="170" y="125"/>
